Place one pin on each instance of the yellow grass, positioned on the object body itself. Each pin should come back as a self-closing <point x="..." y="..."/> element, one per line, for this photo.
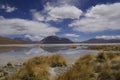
<point x="38" y="68"/>
<point x="33" y="72"/>
<point x="104" y="66"/>
<point x="57" y="60"/>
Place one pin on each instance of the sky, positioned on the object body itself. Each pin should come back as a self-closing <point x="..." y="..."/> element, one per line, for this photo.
<point x="77" y="20"/>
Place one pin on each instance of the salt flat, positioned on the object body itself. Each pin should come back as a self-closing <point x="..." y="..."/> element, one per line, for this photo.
<point x="47" y="45"/>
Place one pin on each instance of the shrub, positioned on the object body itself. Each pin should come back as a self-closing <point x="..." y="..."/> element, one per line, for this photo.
<point x="115" y="63"/>
<point x="52" y="60"/>
<point x="37" y="60"/>
<point x="106" y="72"/>
<point x="9" y="64"/>
<point x="34" y="72"/>
<point x="82" y="70"/>
<point x="57" y="61"/>
<point x="101" y="57"/>
<point x="86" y="59"/>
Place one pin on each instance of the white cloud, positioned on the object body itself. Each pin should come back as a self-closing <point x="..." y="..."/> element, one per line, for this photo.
<point x="76" y="39"/>
<point x="70" y="2"/>
<point x="8" y="8"/>
<point x="64" y="11"/>
<point x="56" y="13"/>
<point x="71" y="35"/>
<point x="99" y="18"/>
<point x="18" y="26"/>
<point x="108" y="37"/>
<point x="37" y="15"/>
<point x="34" y="38"/>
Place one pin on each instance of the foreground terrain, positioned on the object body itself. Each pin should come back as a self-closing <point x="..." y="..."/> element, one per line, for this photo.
<point x="102" y="66"/>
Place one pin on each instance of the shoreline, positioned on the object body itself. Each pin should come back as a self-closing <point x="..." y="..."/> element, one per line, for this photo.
<point x="44" y="45"/>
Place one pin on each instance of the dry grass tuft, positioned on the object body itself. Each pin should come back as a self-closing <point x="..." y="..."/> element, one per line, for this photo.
<point x="104" y="66"/>
<point x="38" y="68"/>
<point x="33" y="72"/>
<point x="9" y="64"/>
<point x="57" y="61"/>
<point x="86" y="59"/>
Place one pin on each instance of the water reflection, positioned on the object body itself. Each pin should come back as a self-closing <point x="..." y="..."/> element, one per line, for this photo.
<point x="54" y="49"/>
<point x="22" y="54"/>
<point x="8" y="49"/>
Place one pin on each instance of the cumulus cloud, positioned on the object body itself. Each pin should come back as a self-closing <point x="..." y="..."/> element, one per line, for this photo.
<point x="71" y="35"/>
<point x="34" y="37"/>
<point x="108" y="37"/>
<point x="69" y="2"/>
<point x="8" y="8"/>
<point x="37" y="15"/>
<point x="99" y="18"/>
<point x="18" y="26"/>
<point x="64" y="11"/>
<point x="56" y="13"/>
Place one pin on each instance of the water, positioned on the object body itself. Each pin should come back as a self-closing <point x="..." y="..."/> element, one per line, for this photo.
<point x="21" y="54"/>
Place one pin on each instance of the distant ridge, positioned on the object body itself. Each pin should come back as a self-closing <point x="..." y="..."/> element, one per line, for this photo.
<point x="4" y="40"/>
<point x="101" y="40"/>
<point x="55" y="40"/>
<point x="26" y="40"/>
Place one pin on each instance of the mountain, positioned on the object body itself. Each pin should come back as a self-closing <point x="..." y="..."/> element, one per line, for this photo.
<point x="4" y="40"/>
<point x="27" y="40"/>
<point x="55" y="40"/>
<point x="101" y="40"/>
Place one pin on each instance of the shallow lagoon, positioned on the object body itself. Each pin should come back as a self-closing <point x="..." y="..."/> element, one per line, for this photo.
<point x="21" y="54"/>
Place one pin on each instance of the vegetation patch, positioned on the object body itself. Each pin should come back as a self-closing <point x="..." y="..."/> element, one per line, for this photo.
<point x="104" y="66"/>
<point x="105" y="48"/>
<point x="38" y="68"/>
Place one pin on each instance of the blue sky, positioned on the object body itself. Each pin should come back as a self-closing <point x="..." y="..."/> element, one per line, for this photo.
<point x="77" y="20"/>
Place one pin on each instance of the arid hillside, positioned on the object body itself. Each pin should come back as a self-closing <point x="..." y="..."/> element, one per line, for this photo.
<point x="4" y="40"/>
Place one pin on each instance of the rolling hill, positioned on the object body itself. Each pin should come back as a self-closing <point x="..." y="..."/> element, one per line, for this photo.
<point x="100" y="40"/>
<point x="4" y="40"/>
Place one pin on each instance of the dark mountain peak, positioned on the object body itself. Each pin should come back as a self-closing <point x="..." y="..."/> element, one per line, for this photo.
<point x="52" y="37"/>
<point x="55" y="40"/>
<point x="65" y="39"/>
